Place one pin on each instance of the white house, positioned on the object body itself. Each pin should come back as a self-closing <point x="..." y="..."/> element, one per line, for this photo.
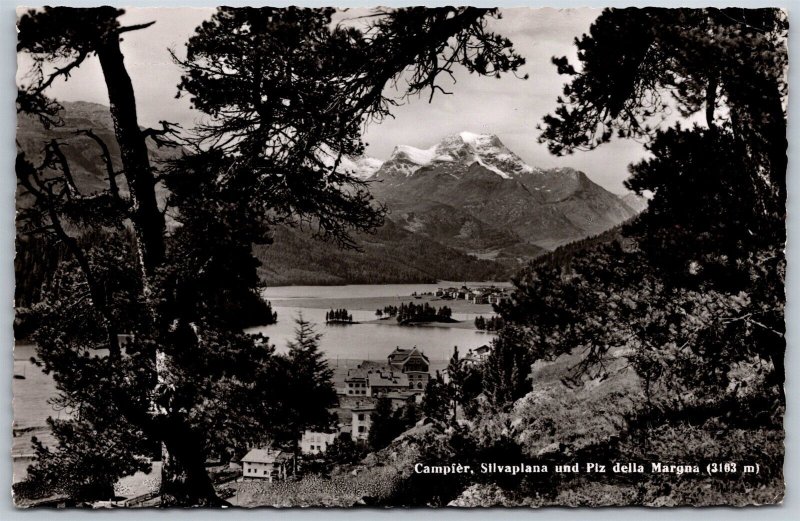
<point x="313" y="442"/>
<point x="361" y="422"/>
<point x="269" y="464"/>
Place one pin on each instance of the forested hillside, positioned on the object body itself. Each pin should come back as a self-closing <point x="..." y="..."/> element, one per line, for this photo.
<point x="391" y="255"/>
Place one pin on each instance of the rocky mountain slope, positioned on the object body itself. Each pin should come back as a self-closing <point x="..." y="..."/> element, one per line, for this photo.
<point x="472" y="193"/>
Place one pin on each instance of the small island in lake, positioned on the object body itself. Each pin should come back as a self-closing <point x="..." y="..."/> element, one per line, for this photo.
<point x="338" y="316"/>
<point x="411" y="313"/>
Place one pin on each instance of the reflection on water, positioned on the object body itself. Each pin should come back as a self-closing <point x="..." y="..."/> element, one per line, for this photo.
<point x="373" y="341"/>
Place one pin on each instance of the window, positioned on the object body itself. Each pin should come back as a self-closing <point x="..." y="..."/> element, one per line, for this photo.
<point x="361" y="417"/>
<point x="360" y="428"/>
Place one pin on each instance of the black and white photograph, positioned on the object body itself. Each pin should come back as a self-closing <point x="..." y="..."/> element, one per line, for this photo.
<point x="379" y="257"/>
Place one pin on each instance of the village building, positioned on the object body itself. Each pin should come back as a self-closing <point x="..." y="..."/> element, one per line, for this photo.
<point x="497" y="297"/>
<point x="313" y="442"/>
<point x="356" y="383"/>
<point x="414" y="364"/>
<point x="482" y="351"/>
<point x="402" y="379"/>
<point x="382" y="382"/>
<point x="362" y="420"/>
<point x="268" y="464"/>
<point x="448" y="293"/>
<point x="472" y="358"/>
<point x="479" y="297"/>
<point x="477" y="355"/>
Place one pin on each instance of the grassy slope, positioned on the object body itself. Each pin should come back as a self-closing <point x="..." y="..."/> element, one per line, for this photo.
<point x="556" y="419"/>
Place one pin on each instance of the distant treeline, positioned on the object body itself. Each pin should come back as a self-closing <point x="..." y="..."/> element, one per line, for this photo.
<point x="563" y="255"/>
<point x="494" y="323"/>
<point x="391" y="255"/>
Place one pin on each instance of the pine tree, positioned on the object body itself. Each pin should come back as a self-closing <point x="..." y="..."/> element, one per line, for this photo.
<point x="506" y="369"/>
<point x="384" y="426"/>
<point x="436" y="401"/>
<point x="457" y="373"/>
<point x="310" y="392"/>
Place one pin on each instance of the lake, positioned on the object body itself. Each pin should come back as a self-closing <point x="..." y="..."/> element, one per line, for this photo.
<point x="370" y="340"/>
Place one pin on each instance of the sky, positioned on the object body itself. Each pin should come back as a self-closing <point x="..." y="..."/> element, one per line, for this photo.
<point x="509" y="107"/>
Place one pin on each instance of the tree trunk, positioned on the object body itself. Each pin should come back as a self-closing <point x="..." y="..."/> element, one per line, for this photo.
<point x="148" y="222"/>
<point x="711" y="101"/>
<point x="184" y="479"/>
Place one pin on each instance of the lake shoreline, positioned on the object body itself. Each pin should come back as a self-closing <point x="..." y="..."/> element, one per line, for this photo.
<point x="375" y="303"/>
<point x="457" y="324"/>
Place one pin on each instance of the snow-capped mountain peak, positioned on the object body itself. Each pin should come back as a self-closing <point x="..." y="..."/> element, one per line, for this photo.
<point x="464" y="148"/>
<point x="361" y="167"/>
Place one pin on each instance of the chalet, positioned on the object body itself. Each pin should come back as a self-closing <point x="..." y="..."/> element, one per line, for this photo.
<point x="408" y="360"/>
<point x="382" y="382"/>
<point x="362" y="420"/>
<point x="313" y="442"/>
<point x="268" y="464"/>
<point x="414" y="364"/>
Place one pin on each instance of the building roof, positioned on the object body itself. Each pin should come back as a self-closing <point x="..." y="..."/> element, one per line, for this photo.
<point x="318" y="435"/>
<point x="265" y="456"/>
<point x="374" y="365"/>
<point x="348" y="401"/>
<point x="355" y="374"/>
<point x="401" y="356"/>
<point x="388" y="379"/>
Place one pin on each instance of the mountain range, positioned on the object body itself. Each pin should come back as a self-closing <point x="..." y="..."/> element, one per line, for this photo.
<point x="472" y="193"/>
<point x="467" y="208"/>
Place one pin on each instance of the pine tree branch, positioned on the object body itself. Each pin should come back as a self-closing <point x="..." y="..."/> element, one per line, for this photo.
<point x="106" y="155"/>
<point x="136" y="27"/>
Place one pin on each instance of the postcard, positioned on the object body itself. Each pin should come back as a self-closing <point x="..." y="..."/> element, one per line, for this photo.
<point x="384" y="257"/>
